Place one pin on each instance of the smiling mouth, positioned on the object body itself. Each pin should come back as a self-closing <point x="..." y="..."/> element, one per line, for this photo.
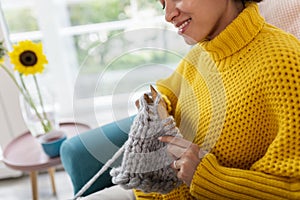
<point x="182" y="27"/>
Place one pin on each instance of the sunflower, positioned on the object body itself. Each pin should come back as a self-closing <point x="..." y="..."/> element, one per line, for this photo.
<point x="28" y="57"/>
<point x="2" y="52"/>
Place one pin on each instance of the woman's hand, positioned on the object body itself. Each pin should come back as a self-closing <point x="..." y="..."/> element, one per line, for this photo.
<point x="187" y="157"/>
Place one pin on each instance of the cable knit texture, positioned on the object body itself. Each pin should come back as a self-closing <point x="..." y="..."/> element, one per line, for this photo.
<point x="257" y="154"/>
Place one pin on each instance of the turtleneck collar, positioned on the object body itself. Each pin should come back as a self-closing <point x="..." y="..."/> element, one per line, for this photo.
<point x="236" y="35"/>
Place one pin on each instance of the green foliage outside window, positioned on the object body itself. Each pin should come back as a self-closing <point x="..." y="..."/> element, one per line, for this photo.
<point x="91" y="12"/>
<point x="21" y="20"/>
<point x="97" y="11"/>
<point x="153" y="4"/>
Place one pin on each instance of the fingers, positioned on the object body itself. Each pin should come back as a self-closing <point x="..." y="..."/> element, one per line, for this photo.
<point x="137" y="104"/>
<point x="177" y="146"/>
<point x="183" y="170"/>
<point x="175" y="165"/>
<point x="176" y="141"/>
<point x="188" y="156"/>
<point x="162" y="112"/>
<point x="176" y="151"/>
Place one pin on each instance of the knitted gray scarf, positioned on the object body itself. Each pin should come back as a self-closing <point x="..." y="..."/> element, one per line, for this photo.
<point x="146" y="164"/>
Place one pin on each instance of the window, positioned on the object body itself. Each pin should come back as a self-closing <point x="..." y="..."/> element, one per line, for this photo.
<point x="102" y="54"/>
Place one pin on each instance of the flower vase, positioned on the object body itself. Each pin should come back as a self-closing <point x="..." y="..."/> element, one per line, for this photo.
<point x="40" y="118"/>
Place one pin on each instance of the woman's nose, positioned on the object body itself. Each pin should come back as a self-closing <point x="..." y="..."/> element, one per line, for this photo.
<point x="171" y="11"/>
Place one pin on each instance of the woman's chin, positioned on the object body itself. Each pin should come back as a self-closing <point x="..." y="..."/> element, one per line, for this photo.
<point x="189" y="40"/>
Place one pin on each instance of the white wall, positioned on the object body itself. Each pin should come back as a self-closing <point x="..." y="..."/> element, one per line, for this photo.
<point x="11" y="121"/>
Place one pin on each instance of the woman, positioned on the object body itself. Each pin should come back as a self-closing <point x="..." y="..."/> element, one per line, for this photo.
<point x="236" y="95"/>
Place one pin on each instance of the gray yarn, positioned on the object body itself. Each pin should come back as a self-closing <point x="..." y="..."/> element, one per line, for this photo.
<point x="146" y="163"/>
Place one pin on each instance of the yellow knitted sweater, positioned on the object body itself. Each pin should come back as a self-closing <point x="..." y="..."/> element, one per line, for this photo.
<point x="256" y="152"/>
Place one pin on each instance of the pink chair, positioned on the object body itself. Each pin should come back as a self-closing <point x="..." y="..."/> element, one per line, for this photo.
<point x="284" y="14"/>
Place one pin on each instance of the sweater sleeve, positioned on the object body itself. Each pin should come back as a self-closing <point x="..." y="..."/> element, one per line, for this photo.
<point x="217" y="182"/>
<point x="170" y="87"/>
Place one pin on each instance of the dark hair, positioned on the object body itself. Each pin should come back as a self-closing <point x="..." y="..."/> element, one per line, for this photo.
<point x="244" y="1"/>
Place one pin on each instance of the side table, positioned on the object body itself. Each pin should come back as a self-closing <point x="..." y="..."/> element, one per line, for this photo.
<point x="25" y="153"/>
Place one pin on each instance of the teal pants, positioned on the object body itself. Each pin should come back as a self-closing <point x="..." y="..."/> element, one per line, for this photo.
<point x="82" y="156"/>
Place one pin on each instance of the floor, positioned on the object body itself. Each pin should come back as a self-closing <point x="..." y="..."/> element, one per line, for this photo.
<point x="20" y="188"/>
